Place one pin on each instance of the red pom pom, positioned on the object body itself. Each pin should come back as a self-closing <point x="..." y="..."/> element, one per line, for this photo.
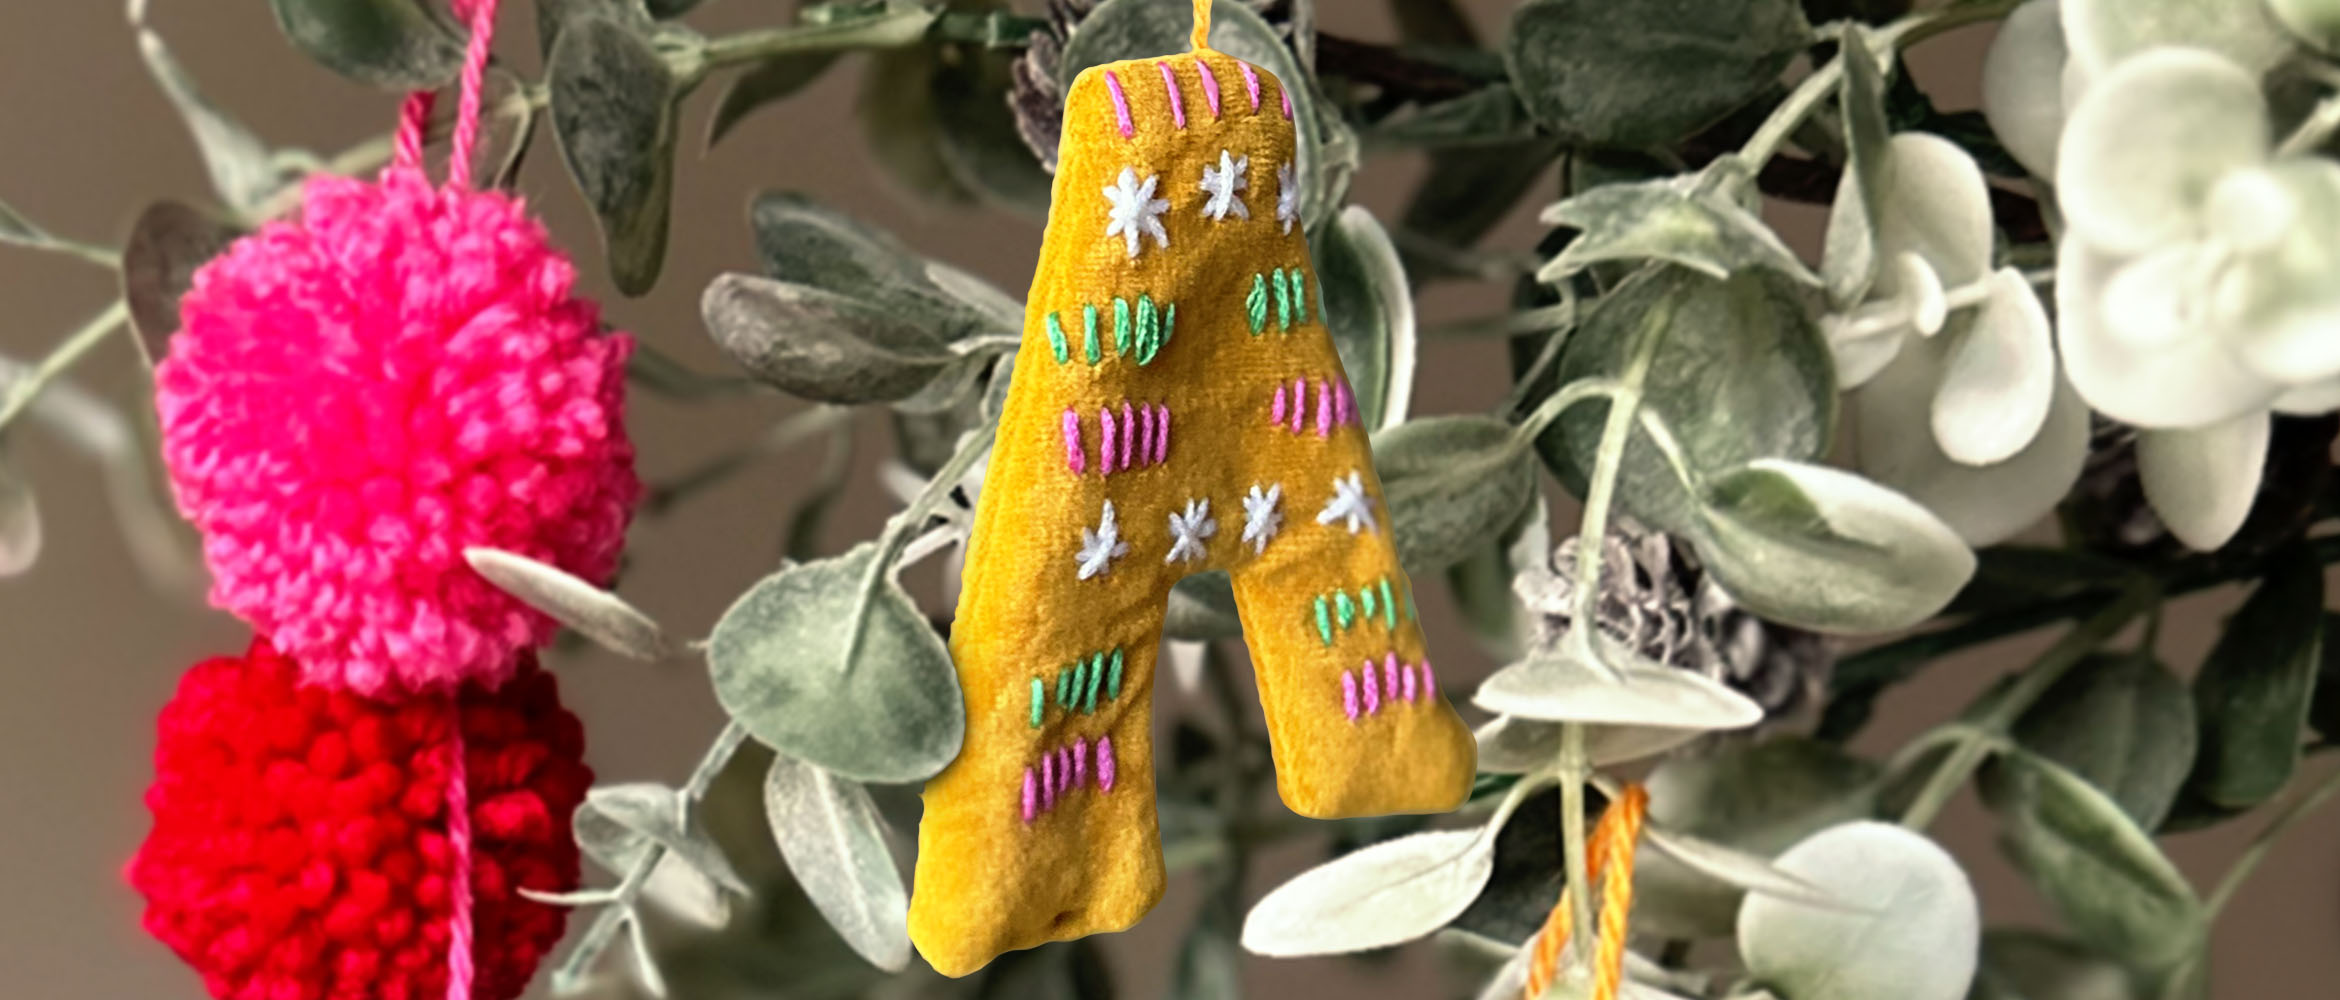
<point x="300" y="847"/>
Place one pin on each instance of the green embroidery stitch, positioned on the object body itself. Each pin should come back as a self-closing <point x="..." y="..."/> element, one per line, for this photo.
<point x="1121" y="325"/>
<point x="1149" y="328"/>
<point x="1096" y="681"/>
<point x="1169" y="325"/>
<point x="1255" y="303"/>
<point x="1113" y="680"/>
<point x="1299" y="297"/>
<point x="1056" y="340"/>
<point x="1365" y="594"/>
<point x="1039" y="701"/>
<point x="1389" y="607"/>
<point x="1064" y="677"/>
<point x="1323" y="622"/>
<point x="1343" y="608"/>
<point x="1089" y="334"/>
<point x="1283" y="302"/>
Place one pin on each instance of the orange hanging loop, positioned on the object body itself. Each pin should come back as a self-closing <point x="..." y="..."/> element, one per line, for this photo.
<point x="1201" y="38"/>
<point x="1609" y="856"/>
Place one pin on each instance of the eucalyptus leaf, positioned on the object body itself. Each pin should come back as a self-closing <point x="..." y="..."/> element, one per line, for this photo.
<point x="1510" y="745"/>
<point x="975" y="132"/>
<point x="1369" y="307"/>
<point x="593" y="612"/>
<point x="167" y="244"/>
<point x="2103" y="32"/>
<point x="1488" y="116"/>
<point x="903" y="129"/>
<point x="1742" y="373"/>
<point x="830" y="663"/>
<point x="1389" y="893"/>
<point x="1911" y="934"/>
<point x="830" y="832"/>
<point x="1561" y="687"/>
<point x="1757" y="799"/>
<point x="243" y="170"/>
<point x="1849" y="260"/>
<point x="2253" y="692"/>
<point x="692" y="878"/>
<point x="821" y="345"/>
<point x="1694" y="220"/>
<point x="765" y="83"/>
<point x="1650" y="72"/>
<point x="1826" y="550"/>
<point x="2028" y="965"/>
<point x="2101" y="872"/>
<point x="1143" y="29"/>
<point x="392" y="44"/>
<point x="804" y="242"/>
<point x="613" y="109"/>
<point x="20" y="525"/>
<point x="1451" y="484"/>
<point x="2124" y="724"/>
<point x="1210" y="967"/>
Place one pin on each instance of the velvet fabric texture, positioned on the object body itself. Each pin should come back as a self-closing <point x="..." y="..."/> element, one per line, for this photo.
<point x="1177" y="407"/>
<point x="357" y="395"/>
<point x="300" y="849"/>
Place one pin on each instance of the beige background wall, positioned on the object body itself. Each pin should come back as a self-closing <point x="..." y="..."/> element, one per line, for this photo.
<point x="89" y="651"/>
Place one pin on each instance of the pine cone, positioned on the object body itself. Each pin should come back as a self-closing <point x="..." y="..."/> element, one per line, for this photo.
<point x="1657" y="601"/>
<point x="1035" y="93"/>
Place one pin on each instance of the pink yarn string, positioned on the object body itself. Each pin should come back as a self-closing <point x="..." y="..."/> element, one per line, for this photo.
<point x="414" y="117"/>
<point x="483" y="34"/>
<point x="459" y="971"/>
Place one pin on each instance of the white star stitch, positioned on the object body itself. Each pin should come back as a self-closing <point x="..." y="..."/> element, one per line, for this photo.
<point x="1188" y="530"/>
<point x="1260" y="520"/>
<point x="1223" y="183"/>
<point x="1287" y="197"/>
<point x="1135" y="211"/>
<point x="1100" y="547"/>
<point x="1349" y="502"/>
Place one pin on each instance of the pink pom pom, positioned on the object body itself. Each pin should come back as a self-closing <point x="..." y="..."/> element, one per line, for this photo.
<point x="356" y="396"/>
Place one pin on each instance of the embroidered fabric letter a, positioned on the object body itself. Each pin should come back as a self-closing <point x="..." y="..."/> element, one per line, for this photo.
<point x="1174" y="291"/>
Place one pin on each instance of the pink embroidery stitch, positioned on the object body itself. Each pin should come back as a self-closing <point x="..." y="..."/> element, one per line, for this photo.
<point x="1031" y="796"/>
<point x="1105" y="765"/>
<point x="1047" y="782"/>
<point x="1105" y="445"/>
<point x="1299" y="402"/>
<point x="1407" y="675"/>
<point x="1389" y="678"/>
<point x="1130" y="456"/>
<point x="1349" y="695"/>
<point x="1385" y="685"/>
<point x="1210" y="84"/>
<point x="1162" y="433"/>
<point x="1080" y="762"/>
<point x="1287" y="95"/>
<point x="1324" y="408"/>
<point x="1344" y="403"/>
<point x="1250" y="82"/>
<point x="1372" y="690"/>
<point x="1073" y="456"/>
<point x="1145" y="430"/>
<point x="1429" y="682"/>
<point x="1121" y="105"/>
<point x="1177" y="103"/>
<point x="1276" y="412"/>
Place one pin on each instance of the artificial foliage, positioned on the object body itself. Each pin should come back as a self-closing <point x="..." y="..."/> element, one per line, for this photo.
<point x="2048" y="366"/>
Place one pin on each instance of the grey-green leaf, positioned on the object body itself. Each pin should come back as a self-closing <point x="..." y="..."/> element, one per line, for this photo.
<point x="1758" y="798"/>
<point x="243" y="171"/>
<point x="20" y="525"/>
<point x="1742" y="374"/>
<point x="765" y="83"/>
<point x="593" y="612"/>
<point x="2101" y="872"/>
<point x="617" y="824"/>
<point x="2252" y="695"/>
<point x="1389" y="893"/>
<point x="830" y="663"/>
<point x="167" y="244"/>
<point x="1824" y="549"/>
<point x="392" y="44"/>
<point x="1488" y="116"/>
<point x="2029" y="965"/>
<point x="1647" y="73"/>
<point x="2124" y="724"/>
<point x="1849" y="260"/>
<point x="1694" y="220"/>
<point x="20" y="231"/>
<point x="613" y="108"/>
<point x="830" y="834"/>
<point x="1451" y="484"/>
<point x="1369" y="307"/>
<point x="821" y="345"/>
<point x="1909" y="932"/>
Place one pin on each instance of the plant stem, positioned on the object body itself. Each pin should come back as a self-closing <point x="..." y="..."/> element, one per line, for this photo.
<point x="1823" y="81"/>
<point x="1573" y="772"/>
<point x="2253" y="855"/>
<point x="22" y="391"/>
<point x="1608" y="463"/>
<point x="570" y="977"/>
<point x="2035" y="680"/>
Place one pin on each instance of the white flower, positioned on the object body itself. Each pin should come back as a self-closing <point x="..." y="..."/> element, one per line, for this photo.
<point x="1953" y="364"/>
<point x="1287" y="197"/>
<point x="1188" y="530"/>
<point x="1134" y="210"/>
<point x="1223" y="183"/>
<point x="1260" y="519"/>
<point x="1100" y="547"/>
<point x="2193" y="285"/>
<point x="1350" y="503"/>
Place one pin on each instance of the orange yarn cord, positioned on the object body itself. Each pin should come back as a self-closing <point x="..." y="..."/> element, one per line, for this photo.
<point x="1611" y="855"/>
